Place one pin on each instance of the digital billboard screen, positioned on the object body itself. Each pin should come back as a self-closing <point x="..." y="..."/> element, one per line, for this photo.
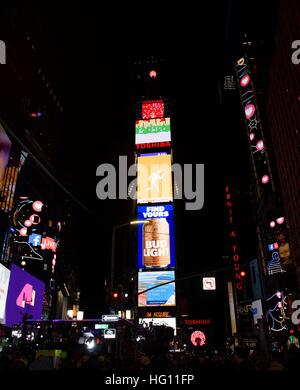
<point x="156" y="246"/>
<point x="170" y="322"/>
<point x="160" y="296"/>
<point x="4" y="281"/>
<point x="153" y="109"/>
<point x="5" y="146"/>
<point x="152" y="130"/>
<point x="154" y="181"/>
<point x="25" y="297"/>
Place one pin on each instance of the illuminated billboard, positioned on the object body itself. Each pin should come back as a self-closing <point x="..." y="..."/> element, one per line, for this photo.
<point x="156" y="246"/>
<point x="4" y="281"/>
<point x="5" y="146"/>
<point x="25" y="297"/>
<point x="153" y="109"/>
<point x="160" y="296"/>
<point x="170" y="322"/>
<point x="154" y="182"/>
<point x="152" y="130"/>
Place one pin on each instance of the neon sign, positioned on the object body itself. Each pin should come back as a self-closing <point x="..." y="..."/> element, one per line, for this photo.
<point x="198" y="338"/>
<point x="233" y="239"/>
<point x="277" y="313"/>
<point x="49" y="243"/>
<point x="197" y="322"/>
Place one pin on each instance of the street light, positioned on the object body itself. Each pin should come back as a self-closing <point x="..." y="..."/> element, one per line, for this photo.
<point x="113" y="244"/>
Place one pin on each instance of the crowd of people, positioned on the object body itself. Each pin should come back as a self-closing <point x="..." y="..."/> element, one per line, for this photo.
<point x="79" y="358"/>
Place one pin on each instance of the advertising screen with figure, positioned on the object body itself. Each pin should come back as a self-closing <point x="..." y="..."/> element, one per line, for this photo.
<point x="156" y="247"/>
<point x="170" y="322"/>
<point x="154" y="181"/>
<point x="25" y="297"/>
<point x="163" y="295"/>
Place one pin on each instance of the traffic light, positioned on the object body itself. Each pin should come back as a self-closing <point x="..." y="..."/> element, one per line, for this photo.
<point x="115" y="295"/>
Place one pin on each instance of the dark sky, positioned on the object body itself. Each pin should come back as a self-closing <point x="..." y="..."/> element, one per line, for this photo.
<point x="89" y="54"/>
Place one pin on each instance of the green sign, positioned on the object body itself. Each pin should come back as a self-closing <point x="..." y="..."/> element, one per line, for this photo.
<point x="101" y="326"/>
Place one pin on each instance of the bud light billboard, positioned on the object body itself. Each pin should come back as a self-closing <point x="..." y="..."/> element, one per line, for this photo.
<point x="160" y="286"/>
<point x="25" y="297"/>
<point x="156" y="247"/>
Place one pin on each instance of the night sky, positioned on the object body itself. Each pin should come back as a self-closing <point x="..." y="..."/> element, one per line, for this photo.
<point x="90" y="55"/>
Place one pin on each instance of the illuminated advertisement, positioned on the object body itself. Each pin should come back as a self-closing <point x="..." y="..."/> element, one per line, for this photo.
<point x="154" y="182"/>
<point x="5" y="146"/>
<point x="252" y="118"/>
<point x="156" y="246"/>
<point x="170" y="322"/>
<point x="9" y="182"/>
<point x="152" y="130"/>
<point x="25" y="297"/>
<point x="152" y="145"/>
<point x="160" y="296"/>
<point x="4" y="281"/>
<point x="153" y="109"/>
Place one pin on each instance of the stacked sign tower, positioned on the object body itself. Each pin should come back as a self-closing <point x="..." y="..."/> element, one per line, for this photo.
<point x="276" y="262"/>
<point x="156" y="247"/>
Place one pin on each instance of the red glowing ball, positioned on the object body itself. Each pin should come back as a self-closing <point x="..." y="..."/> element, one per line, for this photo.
<point x="37" y="205"/>
<point x="260" y="145"/>
<point x="245" y="80"/>
<point x="23" y="232"/>
<point x="249" y="111"/>
<point x="280" y="220"/>
<point x="153" y="74"/>
<point x="265" y="179"/>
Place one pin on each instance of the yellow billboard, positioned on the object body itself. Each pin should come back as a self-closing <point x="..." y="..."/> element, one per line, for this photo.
<point x="154" y="180"/>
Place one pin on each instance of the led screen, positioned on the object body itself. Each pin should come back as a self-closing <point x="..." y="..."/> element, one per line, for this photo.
<point x="160" y="296"/>
<point x="5" y="146"/>
<point x="25" y="297"/>
<point x="154" y="182"/>
<point x="4" y="281"/>
<point x="152" y="130"/>
<point x="171" y="322"/>
<point x="156" y="247"/>
<point x="153" y="109"/>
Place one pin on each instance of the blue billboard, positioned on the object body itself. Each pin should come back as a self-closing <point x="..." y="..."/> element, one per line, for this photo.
<point x="25" y="297"/>
<point x="163" y="295"/>
<point x="156" y="247"/>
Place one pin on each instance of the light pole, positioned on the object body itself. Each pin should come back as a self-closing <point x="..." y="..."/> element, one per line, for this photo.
<point x="113" y="248"/>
